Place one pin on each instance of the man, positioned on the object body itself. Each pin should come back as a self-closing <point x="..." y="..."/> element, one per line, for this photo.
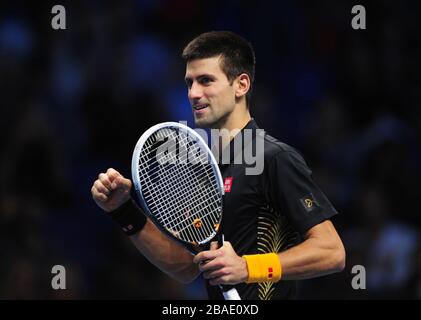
<point x="276" y="224"/>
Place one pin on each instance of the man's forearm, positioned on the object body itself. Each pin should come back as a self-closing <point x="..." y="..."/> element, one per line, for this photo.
<point x="310" y="259"/>
<point x="167" y="255"/>
<point x="321" y="253"/>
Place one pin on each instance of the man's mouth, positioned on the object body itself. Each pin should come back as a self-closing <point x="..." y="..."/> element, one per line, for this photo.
<point x="200" y="106"/>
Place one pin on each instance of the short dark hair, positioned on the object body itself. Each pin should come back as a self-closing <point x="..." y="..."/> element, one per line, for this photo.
<point x="237" y="54"/>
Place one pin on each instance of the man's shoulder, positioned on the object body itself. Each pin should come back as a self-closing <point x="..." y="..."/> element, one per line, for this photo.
<point x="277" y="148"/>
<point x="280" y="154"/>
<point x="274" y="148"/>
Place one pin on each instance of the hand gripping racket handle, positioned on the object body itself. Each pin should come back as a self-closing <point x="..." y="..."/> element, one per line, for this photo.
<point x="229" y="292"/>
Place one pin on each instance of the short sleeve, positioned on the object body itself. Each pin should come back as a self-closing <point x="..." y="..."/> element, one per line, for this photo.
<point x="293" y="192"/>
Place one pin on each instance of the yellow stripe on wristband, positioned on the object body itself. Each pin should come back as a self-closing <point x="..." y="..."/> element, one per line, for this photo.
<point x="263" y="267"/>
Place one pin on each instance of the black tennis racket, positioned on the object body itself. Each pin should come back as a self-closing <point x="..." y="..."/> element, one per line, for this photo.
<point x="180" y="187"/>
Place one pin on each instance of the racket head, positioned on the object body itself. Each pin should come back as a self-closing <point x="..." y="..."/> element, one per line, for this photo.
<point x="183" y="198"/>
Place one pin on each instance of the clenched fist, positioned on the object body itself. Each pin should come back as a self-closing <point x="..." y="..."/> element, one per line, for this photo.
<point x="111" y="190"/>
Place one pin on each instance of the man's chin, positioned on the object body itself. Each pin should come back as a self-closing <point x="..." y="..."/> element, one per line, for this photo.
<point x="202" y="123"/>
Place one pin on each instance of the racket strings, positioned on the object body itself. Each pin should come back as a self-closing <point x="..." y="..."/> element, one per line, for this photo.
<point x="208" y="172"/>
<point x="154" y="140"/>
<point x="181" y="224"/>
<point x="198" y="204"/>
<point x="158" y="172"/>
<point x="173" y="174"/>
<point x="144" y="164"/>
<point x="155" y="171"/>
<point x="186" y="195"/>
<point x="181" y="193"/>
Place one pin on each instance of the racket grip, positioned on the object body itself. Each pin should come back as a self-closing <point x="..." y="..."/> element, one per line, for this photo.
<point x="230" y="294"/>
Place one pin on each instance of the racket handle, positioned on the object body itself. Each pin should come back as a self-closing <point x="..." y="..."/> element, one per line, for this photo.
<point x="229" y="292"/>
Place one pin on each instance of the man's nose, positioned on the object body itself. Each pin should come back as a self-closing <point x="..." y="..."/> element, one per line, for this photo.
<point x="195" y="92"/>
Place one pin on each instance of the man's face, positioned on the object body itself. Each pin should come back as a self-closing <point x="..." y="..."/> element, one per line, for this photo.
<point x="210" y="93"/>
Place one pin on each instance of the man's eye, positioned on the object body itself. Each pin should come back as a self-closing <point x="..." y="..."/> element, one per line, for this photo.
<point x="205" y="80"/>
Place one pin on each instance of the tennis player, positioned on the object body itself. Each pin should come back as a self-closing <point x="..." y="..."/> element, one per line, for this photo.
<point x="276" y="223"/>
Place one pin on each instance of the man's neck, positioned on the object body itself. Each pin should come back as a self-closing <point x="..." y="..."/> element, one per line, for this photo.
<point x="233" y="125"/>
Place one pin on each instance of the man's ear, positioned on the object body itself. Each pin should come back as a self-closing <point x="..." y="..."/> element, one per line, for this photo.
<point x="242" y="84"/>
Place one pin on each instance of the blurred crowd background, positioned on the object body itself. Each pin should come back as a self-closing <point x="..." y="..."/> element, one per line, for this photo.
<point x="74" y="102"/>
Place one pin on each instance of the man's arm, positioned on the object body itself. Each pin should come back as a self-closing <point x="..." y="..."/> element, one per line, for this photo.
<point x="110" y="191"/>
<point x="166" y="254"/>
<point x="321" y="253"/>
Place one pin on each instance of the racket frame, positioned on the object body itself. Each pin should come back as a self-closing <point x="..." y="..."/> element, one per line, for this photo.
<point x="194" y="249"/>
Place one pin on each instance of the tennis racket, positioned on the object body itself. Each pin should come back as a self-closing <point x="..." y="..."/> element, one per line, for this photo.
<point x="180" y="187"/>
